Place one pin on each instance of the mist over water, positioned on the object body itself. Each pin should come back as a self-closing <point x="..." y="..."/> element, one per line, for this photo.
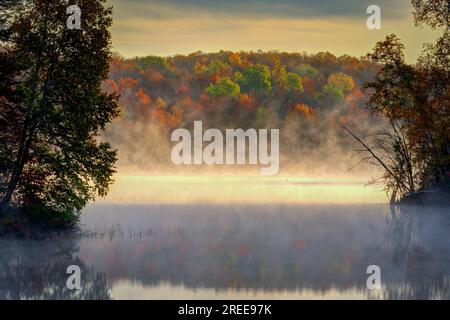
<point x="318" y="148"/>
<point x="237" y="251"/>
<point x="162" y="94"/>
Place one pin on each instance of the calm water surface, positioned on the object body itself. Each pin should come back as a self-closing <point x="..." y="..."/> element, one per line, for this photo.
<point x="236" y="251"/>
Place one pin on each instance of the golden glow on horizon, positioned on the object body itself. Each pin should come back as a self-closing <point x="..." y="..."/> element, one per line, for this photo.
<point x="241" y="190"/>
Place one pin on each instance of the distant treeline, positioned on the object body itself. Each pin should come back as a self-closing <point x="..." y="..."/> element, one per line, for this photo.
<point x="255" y="89"/>
<point x="302" y="95"/>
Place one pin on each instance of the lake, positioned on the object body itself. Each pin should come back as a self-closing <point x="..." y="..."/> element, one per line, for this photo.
<point x="269" y="248"/>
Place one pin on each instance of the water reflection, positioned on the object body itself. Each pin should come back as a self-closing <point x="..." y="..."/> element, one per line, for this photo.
<point x="421" y="257"/>
<point x="218" y="251"/>
<point x="37" y="270"/>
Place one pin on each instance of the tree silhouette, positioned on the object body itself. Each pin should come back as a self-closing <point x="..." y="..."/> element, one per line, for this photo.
<point x="415" y="149"/>
<point x="52" y="161"/>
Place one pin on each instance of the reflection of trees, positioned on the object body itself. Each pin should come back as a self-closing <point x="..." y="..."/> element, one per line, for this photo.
<point x="421" y="254"/>
<point x="37" y="270"/>
<point x="318" y="250"/>
<point x="314" y="249"/>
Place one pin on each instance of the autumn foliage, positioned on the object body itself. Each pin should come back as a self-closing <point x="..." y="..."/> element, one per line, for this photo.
<point x="233" y="86"/>
<point x="302" y="95"/>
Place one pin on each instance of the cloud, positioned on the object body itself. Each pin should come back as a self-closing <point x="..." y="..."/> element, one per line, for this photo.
<point x="258" y="9"/>
<point x="168" y="27"/>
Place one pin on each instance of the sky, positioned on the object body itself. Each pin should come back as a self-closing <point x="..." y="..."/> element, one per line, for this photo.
<point x="169" y="27"/>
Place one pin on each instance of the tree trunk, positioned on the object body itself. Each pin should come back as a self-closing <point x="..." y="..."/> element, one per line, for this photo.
<point x="26" y="139"/>
<point x="20" y="163"/>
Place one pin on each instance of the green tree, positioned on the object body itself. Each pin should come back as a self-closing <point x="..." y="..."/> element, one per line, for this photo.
<point x="324" y="60"/>
<point x="225" y="87"/>
<point x="279" y="76"/>
<point x="434" y="13"/>
<point x="216" y="67"/>
<point x="158" y="63"/>
<point x="329" y="95"/>
<point x="295" y="82"/>
<point x="5" y="9"/>
<point x="306" y="70"/>
<point x="257" y="78"/>
<point x="239" y="77"/>
<point x="342" y="81"/>
<point x="55" y="162"/>
<point x="9" y="94"/>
